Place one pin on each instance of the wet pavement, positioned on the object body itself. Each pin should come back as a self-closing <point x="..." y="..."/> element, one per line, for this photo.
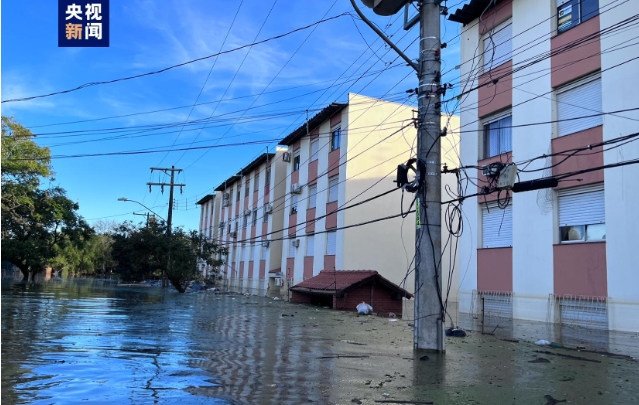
<point x="88" y="340"/>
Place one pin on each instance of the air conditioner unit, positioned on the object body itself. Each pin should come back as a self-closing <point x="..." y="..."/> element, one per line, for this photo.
<point x="296" y="188"/>
<point x="226" y="196"/>
<point x="265" y="243"/>
<point x="286" y="156"/>
<point x="234" y="234"/>
<point x="296" y="243"/>
<point x="293" y="210"/>
<point x="268" y="208"/>
<point x="247" y="213"/>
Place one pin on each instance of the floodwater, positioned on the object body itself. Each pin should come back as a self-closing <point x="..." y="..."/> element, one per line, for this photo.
<point x="82" y="341"/>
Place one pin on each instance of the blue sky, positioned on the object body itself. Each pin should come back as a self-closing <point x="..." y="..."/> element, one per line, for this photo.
<point x="149" y="35"/>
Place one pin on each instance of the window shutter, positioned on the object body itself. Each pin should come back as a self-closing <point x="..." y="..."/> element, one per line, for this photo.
<point x="582" y="206"/>
<point x="314" y="149"/>
<point x="291" y="248"/>
<point x="310" y="245"/>
<point x="579" y="101"/>
<point x="331" y="243"/>
<point x="333" y="184"/>
<point x="312" y="196"/>
<point x="264" y="252"/>
<point x="254" y="252"/>
<point x="294" y="200"/>
<point x="492" y="218"/>
<point x="499" y="49"/>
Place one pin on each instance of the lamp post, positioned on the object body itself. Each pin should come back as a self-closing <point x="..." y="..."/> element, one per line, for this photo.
<point x="137" y="202"/>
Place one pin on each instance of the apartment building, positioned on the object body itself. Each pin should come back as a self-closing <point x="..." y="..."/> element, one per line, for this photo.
<point x="544" y="77"/>
<point x="345" y="154"/>
<point x="249" y="226"/>
<point x="209" y="220"/>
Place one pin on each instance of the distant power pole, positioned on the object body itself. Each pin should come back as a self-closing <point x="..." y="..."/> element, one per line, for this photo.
<point x="429" y="308"/>
<point x="169" y="218"/>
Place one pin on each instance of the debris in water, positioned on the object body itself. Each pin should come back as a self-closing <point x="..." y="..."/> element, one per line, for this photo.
<point x="455" y="332"/>
<point x="424" y="358"/>
<point x="393" y="320"/>
<point x="539" y="360"/>
<point x="364" y="308"/>
<point x="392" y="315"/>
<point x="542" y="342"/>
<point x="356" y="401"/>
<point x="552" y="401"/>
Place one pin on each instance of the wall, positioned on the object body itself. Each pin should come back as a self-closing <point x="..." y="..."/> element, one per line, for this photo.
<point x="533" y="225"/>
<point x="622" y="193"/>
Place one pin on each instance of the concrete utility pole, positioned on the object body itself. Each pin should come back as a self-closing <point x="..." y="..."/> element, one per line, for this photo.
<point x="429" y="312"/>
<point x="169" y="218"/>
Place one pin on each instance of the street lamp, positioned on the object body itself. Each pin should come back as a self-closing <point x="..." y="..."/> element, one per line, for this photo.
<point x="124" y="199"/>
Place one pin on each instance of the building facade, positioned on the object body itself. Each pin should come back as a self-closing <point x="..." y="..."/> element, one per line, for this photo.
<point x="249" y="227"/>
<point x="209" y="219"/>
<point x="345" y="155"/>
<point x="545" y="82"/>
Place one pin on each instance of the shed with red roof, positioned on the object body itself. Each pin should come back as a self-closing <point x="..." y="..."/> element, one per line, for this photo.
<point x="344" y="289"/>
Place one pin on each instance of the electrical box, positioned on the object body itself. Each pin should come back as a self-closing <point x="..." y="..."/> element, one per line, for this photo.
<point x="507" y="177"/>
<point x="492" y="170"/>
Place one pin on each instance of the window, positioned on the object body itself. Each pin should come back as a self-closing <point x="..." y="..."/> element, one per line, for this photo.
<point x="267" y="179"/>
<point x="256" y="181"/>
<point x="312" y="196"/>
<point x="294" y="199"/>
<point x="265" y="216"/>
<point x="243" y="253"/>
<point x="254" y="217"/>
<point x="238" y="194"/>
<point x="296" y="161"/>
<point x="229" y="230"/>
<point x="310" y="245"/>
<point x="577" y="100"/>
<point x="314" y="149"/>
<point x="573" y="12"/>
<point x="291" y="247"/>
<point x="245" y="221"/>
<point x="247" y="187"/>
<point x="497" y="135"/>
<point x="582" y="214"/>
<point x="264" y="251"/>
<point x="496" y="226"/>
<point x="336" y="137"/>
<point x="333" y="184"/>
<point x="498" y="46"/>
<point x="331" y="243"/>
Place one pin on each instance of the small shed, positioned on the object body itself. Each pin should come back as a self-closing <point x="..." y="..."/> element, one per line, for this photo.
<point x="344" y="289"/>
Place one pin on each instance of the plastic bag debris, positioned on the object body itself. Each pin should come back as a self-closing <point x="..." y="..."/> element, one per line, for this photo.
<point x="364" y="308"/>
<point x="542" y="342"/>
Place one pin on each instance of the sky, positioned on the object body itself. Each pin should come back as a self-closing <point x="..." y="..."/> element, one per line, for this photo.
<point x="255" y="95"/>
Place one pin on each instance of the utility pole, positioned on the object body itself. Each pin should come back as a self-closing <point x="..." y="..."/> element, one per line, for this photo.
<point x="169" y="218"/>
<point x="429" y="311"/>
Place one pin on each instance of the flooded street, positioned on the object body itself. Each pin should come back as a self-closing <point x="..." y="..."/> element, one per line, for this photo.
<point x="83" y="340"/>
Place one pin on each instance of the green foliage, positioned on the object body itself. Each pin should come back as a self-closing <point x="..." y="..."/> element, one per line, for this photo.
<point x="36" y="224"/>
<point x="143" y="252"/>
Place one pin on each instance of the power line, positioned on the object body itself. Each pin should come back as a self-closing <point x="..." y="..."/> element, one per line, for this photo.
<point x="91" y="84"/>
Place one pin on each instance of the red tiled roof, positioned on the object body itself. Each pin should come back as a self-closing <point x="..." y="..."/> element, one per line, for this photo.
<point x="340" y="281"/>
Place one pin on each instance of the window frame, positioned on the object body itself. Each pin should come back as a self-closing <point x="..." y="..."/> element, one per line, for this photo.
<point x="334" y="178"/>
<point x="294" y="203"/>
<point x="561" y="4"/>
<point x="312" y="197"/>
<point x="581" y="190"/>
<point x="314" y="155"/>
<point x="267" y="174"/>
<point x="572" y="86"/>
<point x="487" y="37"/>
<point x="327" y="245"/>
<point x="336" y="133"/>
<point x="254" y="217"/>
<point x="256" y="181"/>
<point x="486" y="145"/>
<point x="310" y="238"/>
<point x="297" y="159"/>
<point x="247" y="187"/>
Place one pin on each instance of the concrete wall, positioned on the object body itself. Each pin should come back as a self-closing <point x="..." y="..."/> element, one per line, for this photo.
<point x="621" y="184"/>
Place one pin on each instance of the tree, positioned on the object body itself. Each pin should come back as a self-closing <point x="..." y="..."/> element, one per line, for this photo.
<point x="143" y="252"/>
<point x="36" y="223"/>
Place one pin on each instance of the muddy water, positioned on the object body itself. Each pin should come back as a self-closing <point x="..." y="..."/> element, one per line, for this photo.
<point x="78" y="341"/>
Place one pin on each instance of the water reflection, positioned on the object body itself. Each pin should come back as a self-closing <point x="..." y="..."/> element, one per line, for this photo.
<point x="90" y="340"/>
